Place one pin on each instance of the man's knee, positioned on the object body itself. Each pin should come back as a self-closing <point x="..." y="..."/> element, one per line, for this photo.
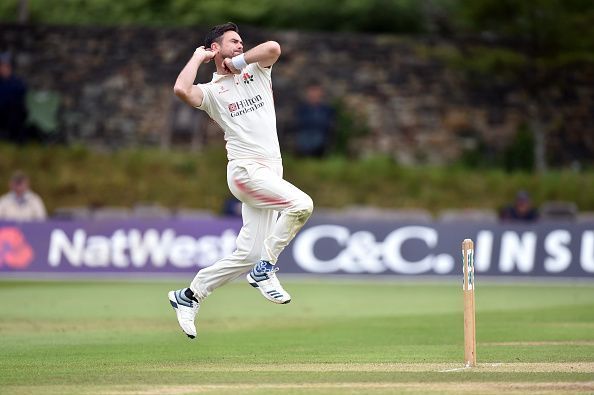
<point x="309" y="206"/>
<point x="303" y="207"/>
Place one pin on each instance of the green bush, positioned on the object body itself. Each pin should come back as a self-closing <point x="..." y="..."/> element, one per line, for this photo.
<point x="519" y="155"/>
<point x="348" y="128"/>
<point x="77" y="176"/>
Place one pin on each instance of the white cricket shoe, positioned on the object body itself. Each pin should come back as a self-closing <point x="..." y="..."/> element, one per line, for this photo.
<point x="186" y="310"/>
<point x="263" y="277"/>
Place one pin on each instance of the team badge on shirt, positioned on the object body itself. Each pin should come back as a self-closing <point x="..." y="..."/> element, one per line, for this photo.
<point x="247" y="78"/>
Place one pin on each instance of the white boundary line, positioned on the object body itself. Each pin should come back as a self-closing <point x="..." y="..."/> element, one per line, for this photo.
<point x="494" y="365"/>
<point x="454" y="370"/>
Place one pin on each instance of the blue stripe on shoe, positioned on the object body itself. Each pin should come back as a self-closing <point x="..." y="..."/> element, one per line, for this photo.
<point x="180" y="300"/>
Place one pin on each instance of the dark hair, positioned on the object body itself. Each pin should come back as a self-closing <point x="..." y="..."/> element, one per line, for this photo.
<point x="217" y="32"/>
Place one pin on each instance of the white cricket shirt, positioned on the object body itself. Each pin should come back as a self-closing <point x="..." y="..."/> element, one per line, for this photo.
<point x="243" y="106"/>
<point x="29" y="207"/>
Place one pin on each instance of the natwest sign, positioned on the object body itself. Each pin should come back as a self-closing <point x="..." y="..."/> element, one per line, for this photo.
<point x="125" y="246"/>
<point x="138" y="248"/>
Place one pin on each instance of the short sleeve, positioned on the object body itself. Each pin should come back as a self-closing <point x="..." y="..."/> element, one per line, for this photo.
<point x="266" y="71"/>
<point x="206" y="98"/>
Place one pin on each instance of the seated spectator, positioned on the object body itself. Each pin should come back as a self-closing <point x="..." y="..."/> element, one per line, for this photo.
<point x="13" y="110"/>
<point x="315" y="121"/>
<point x="21" y="204"/>
<point x="521" y="210"/>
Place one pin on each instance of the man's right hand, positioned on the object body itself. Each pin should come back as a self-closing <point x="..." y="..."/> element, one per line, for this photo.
<point x="184" y="85"/>
<point x="205" y="54"/>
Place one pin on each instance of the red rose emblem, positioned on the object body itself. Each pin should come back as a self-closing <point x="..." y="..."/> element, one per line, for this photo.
<point x="247" y="78"/>
<point x="14" y="250"/>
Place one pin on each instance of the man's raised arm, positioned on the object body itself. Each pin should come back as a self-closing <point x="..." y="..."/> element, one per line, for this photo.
<point x="265" y="54"/>
<point x="184" y="85"/>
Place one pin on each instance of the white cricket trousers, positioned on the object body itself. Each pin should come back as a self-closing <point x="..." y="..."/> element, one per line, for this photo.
<point x="259" y="185"/>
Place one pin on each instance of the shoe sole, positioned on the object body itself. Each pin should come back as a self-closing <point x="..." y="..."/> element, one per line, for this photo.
<point x="254" y="284"/>
<point x="173" y="302"/>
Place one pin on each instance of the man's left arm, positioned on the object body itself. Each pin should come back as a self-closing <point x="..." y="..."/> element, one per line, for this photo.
<point x="265" y="54"/>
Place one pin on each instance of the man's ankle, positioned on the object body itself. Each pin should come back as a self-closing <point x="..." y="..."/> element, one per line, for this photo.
<point x="190" y="294"/>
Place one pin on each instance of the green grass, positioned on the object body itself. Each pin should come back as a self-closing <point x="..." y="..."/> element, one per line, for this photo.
<point x="76" y="176"/>
<point x="379" y="337"/>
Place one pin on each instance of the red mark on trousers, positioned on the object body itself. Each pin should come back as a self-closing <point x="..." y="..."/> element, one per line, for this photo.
<point x="259" y="196"/>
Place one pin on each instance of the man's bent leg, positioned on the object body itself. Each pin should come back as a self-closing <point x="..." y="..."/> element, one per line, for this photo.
<point x="257" y="224"/>
<point x="186" y="301"/>
<point x="288" y="224"/>
<point x="263" y="187"/>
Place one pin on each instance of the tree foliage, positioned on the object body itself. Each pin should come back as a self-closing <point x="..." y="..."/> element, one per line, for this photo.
<point x="402" y="16"/>
<point x="563" y="29"/>
<point x="553" y="32"/>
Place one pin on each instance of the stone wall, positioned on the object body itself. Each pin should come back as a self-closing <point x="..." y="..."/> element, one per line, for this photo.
<point x="116" y="90"/>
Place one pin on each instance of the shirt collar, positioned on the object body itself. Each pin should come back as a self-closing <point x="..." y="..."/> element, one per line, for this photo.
<point x="217" y="77"/>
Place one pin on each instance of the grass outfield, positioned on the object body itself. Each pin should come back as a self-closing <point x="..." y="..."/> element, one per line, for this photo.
<point x="84" y="337"/>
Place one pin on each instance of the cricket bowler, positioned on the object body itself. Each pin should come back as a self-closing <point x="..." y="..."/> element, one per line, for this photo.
<point x="239" y="99"/>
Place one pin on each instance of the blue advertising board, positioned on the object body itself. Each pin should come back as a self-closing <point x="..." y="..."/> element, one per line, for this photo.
<point x="338" y="246"/>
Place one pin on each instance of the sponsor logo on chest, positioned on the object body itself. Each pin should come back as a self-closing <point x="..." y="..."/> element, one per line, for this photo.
<point x="245" y="106"/>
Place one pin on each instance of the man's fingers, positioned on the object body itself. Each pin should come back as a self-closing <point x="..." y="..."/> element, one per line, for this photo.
<point x="228" y="66"/>
<point x="208" y="54"/>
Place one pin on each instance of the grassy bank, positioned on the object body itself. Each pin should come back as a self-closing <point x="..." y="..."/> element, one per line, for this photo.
<point x="74" y="176"/>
